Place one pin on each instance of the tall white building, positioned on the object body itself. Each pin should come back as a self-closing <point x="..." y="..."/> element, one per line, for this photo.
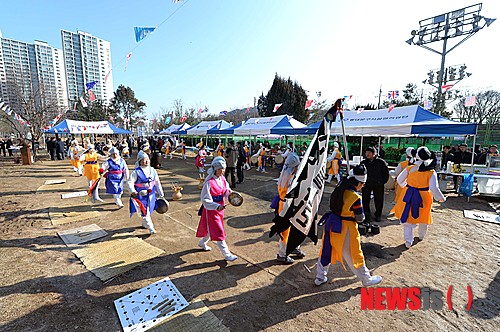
<point x="87" y="58"/>
<point x="32" y="71"/>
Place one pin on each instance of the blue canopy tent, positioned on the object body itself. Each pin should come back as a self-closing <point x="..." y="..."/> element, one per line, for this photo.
<point x="86" y="127"/>
<point x="401" y="121"/>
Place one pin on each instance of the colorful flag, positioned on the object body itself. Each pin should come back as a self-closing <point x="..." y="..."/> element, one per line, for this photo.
<point x="393" y="94"/>
<point x="126" y="61"/>
<point x="428" y="104"/>
<point x="142" y="32"/>
<point x="309" y="103"/>
<point x="167" y="120"/>
<point x="8" y="110"/>
<point x="84" y="103"/>
<point x="107" y="75"/>
<point x="90" y="85"/>
<point x="310" y="116"/>
<point x="361" y="109"/>
<point x="91" y="96"/>
<point x="184" y="118"/>
<point x="223" y="113"/>
<point x="248" y="110"/>
<point x="200" y="110"/>
<point x="276" y="107"/>
<point x="391" y="107"/>
<point x="303" y="197"/>
<point x="470" y="101"/>
<point x="446" y="87"/>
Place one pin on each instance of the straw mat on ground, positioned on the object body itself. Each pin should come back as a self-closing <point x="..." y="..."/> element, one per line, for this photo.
<point x="69" y="214"/>
<point x="82" y="234"/>
<point x="55" y="181"/>
<point x="196" y="317"/>
<point x="116" y="256"/>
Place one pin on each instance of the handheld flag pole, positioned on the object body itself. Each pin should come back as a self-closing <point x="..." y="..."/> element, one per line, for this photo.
<point x="340" y="110"/>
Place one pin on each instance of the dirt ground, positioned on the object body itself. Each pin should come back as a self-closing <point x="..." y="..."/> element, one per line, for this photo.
<point x="44" y="287"/>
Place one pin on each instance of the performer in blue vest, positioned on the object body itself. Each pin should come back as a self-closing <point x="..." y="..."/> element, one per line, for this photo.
<point x="117" y="174"/>
<point x="144" y="184"/>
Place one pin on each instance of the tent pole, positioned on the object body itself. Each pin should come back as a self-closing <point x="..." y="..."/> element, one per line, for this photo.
<point x="378" y="147"/>
<point x="361" y="147"/>
<point x="345" y="142"/>
<point x="472" y="161"/>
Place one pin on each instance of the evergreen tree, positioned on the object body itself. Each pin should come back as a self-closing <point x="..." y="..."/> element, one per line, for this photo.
<point x="290" y="94"/>
<point x="125" y="104"/>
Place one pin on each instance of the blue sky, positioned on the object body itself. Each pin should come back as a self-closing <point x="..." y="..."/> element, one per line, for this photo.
<point x="222" y="53"/>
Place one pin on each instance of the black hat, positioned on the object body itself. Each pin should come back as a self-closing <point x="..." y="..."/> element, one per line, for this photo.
<point x="423" y="153"/>
<point x="371" y="149"/>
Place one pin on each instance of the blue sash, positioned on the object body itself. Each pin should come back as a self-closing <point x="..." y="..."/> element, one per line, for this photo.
<point x="216" y="199"/>
<point x="413" y="202"/>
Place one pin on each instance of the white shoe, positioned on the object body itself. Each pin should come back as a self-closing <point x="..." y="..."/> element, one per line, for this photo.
<point x="230" y="257"/>
<point x="99" y="199"/>
<point x="152" y="230"/>
<point x="375" y="280"/>
<point x="408" y="245"/>
<point x="119" y="203"/>
<point x="319" y="282"/>
<point x="203" y="246"/>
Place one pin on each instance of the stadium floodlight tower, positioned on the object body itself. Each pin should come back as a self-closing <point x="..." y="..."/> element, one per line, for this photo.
<point x="463" y="23"/>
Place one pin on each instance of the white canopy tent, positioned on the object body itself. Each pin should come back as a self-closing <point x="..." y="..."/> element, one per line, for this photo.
<point x="201" y="128"/>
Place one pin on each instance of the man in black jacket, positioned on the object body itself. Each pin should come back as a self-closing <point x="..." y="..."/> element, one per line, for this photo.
<point x="241" y="162"/>
<point x="60" y="149"/>
<point x="231" y="155"/>
<point x="463" y="156"/>
<point x="446" y="156"/>
<point x="378" y="175"/>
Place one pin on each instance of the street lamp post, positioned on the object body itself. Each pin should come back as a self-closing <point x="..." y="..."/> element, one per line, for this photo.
<point x="463" y="22"/>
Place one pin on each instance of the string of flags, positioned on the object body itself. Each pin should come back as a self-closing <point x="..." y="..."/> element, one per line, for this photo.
<point x="223" y="113"/>
<point x="4" y="107"/>
<point x="309" y="103"/>
<point x="183" y="118"/>
<point x="276" y="107"/>
<point x="428" y="104"/>
<point x="391" y="107"/>
<point x="446" y="87"/>
<point x="142" y="32"/>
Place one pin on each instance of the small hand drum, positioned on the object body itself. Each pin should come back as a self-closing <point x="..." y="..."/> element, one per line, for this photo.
<point x="328" y="165"/>
<point x="254" y="159"/>
<point x="279" y="159"/>
<point x="235" y="199"/>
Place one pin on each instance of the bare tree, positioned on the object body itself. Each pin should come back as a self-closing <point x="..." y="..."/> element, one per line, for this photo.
<point x="486" y="110"/>
<point x="34" y="106"/>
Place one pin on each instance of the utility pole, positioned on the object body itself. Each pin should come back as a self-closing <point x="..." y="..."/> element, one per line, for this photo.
<point x="379" y="96"/>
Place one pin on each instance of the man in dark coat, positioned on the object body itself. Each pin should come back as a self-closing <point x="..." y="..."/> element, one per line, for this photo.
<point x="60" y="149"/>
<point x="241" y="162"/>
<point x="462" y="156"/>
<point x="378" y="175"/>
<point x="231" y="155"/>
<point x="51" y="147"/>
<point x="446" y="156"/>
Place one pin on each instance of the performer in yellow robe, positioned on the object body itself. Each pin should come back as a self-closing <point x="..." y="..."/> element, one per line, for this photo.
<point x="336" y="160"/>
<point x="91" y="169"/>
<point x="341" y="240"/>
<point x="420" y="185"/>
<point x="220" y="149"/>
<point x="247" y="155"/>
<point x="261" y="155"/>
<point x="286" y="177"/>
<point x="410" y="159"/>
<point x="75" y="152"/>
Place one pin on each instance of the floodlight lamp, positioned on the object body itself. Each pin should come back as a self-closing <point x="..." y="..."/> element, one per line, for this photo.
<point x="489" y="21"/>
<point x="468" y="74"/>
<point x="414" y="32"/>
<point x="409" y="41"/>
<point x="424" y="81"/>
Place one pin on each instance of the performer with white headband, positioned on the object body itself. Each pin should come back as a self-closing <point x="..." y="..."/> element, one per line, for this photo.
<point x="336" y="160"/>
<point x="117" y="173"/>
<point x="75" y="152"/>
<point x="341" y="240"/>
<point x="420" y="185"/>
<point x="286" y="177"/>
<point x="214" y="197"/>
<point x="144" y="184"/>
<point x="410" y="160"/>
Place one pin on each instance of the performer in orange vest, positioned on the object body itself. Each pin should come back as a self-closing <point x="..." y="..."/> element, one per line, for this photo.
<point x="341" y="240"/>
<point x="183" y="149"/>
<point x="410" y="159"/>
<point x="336" y="160"/>
<point x="286" y="177"/>
<point x="261" y="154"/>
<point x="220" y="149"/>
<point x="420" y="185"/>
